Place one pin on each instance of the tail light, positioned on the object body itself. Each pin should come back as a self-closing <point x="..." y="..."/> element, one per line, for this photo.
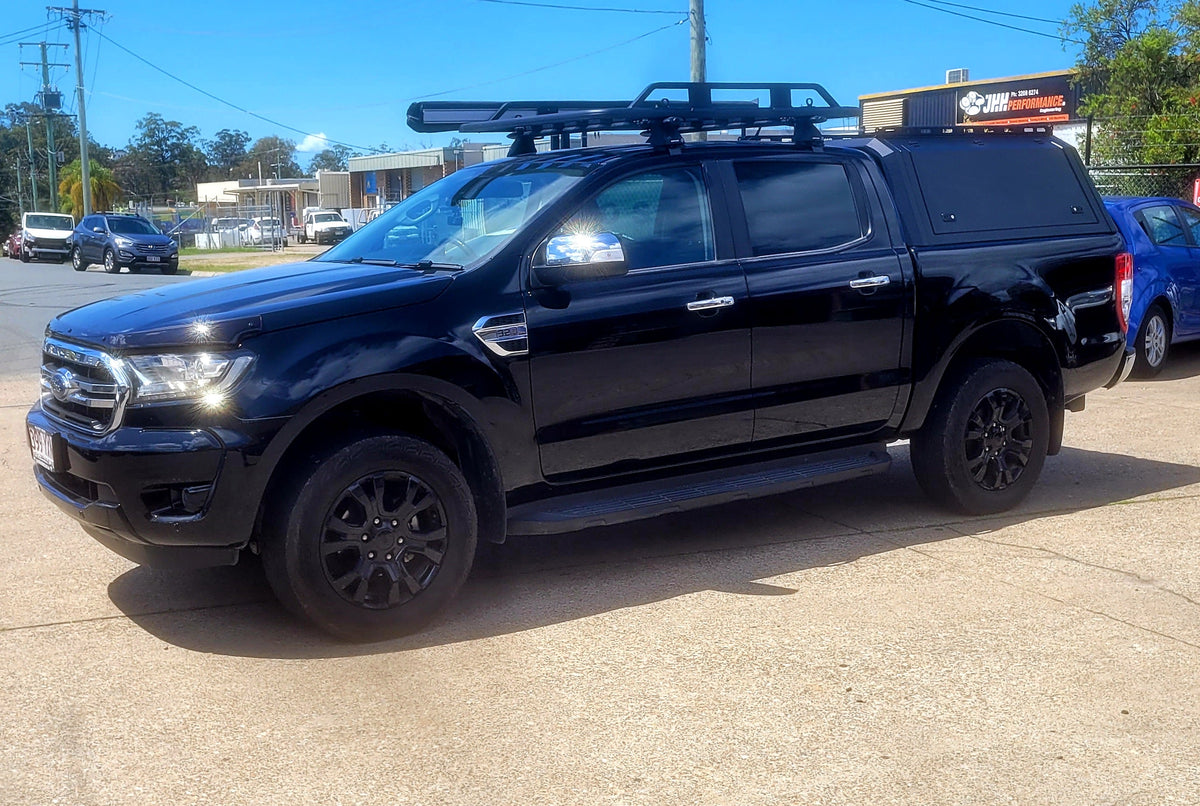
<point x="1123" y="286"/>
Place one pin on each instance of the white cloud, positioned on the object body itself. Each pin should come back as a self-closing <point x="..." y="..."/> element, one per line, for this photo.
<point x="313" y="142"/>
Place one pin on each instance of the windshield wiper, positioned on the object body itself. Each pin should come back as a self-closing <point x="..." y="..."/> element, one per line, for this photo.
<point x="420" y="265"/>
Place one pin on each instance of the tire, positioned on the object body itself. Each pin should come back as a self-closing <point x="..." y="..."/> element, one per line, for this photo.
<point x="24" y="255"/>
<point x="314" y="557"/>
<point x="168" y="268"/>
<point x="984" y="442"/>
<point x="1153" y="342"/>
<point x="302" y="238"/>
<point x="77" y="261"/>
<point x="110" y="262"/>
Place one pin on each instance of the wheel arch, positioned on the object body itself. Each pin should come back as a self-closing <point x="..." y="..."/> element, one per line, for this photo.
<point x="389" y="406"/>
<point x="1012" y="339"/>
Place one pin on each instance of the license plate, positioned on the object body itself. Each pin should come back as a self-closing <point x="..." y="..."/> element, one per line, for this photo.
<point x="153" y="259"/>
<point x="41" y="444"/>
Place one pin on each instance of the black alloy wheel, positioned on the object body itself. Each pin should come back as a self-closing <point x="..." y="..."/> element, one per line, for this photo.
<point x="372" y="539"/>
<point x="384" y="540"/>
<point x="985" y="439"/>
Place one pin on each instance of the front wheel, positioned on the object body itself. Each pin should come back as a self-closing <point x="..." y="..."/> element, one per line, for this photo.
<point x="374" y="540"/>
<point x="24" y="255"/>
<point x="77" y="261"/>
<point x="984" y="442"/>
<point x="1153" y="342"/>
<point x="110" y="262"/>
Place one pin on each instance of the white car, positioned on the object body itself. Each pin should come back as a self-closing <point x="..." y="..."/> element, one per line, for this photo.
<point x="46" y="235"/>
<point x="324" y="226"/>
<point x="266" y="232"/>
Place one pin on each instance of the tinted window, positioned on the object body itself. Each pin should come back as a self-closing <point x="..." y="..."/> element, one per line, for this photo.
<point x="797" y="206"/>
<point x="131" y="226"/>
<point x="661" y="217"/>
<point x="1191" y="220"/>
<point x="1162" y="225"/>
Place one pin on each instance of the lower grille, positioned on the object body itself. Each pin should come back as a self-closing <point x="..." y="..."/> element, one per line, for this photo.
<point x="82" y="387"/>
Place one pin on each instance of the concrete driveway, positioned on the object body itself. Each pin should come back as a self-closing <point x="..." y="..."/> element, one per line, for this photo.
<point x="846" y="645"/>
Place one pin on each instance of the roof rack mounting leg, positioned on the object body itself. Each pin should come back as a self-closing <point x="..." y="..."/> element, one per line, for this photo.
<point x="664" y="135"/>
<point x="806" y="134"/>
<point x="522" y="143"/>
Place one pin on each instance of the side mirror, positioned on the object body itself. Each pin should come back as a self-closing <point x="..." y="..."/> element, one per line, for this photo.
<point x="584" y="256"/>
<point x="98" y="229"/>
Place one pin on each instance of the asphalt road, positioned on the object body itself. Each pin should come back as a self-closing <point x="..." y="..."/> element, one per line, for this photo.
<point x="850" y="645"/>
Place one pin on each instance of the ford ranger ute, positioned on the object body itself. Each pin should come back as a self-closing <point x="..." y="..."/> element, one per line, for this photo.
<point x="587" y="336"/>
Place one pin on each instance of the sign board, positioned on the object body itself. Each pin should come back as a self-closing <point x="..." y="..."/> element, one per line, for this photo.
<point x="1196" y="192"/>
<point x="1013" y="103"/>
<point x="369" y="183"/>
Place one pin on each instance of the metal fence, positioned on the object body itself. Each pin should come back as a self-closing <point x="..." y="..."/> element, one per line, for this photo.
<point x="1175" y="181"/>
<point x="214" y="226"/>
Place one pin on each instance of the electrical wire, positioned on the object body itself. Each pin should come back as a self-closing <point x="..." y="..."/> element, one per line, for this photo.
<point x="994" y="22"/>
<point x="564" y="7"/>
<point x="997" y="13"/>
<point x="219" y="99"/>
<point x="14" y="36"/>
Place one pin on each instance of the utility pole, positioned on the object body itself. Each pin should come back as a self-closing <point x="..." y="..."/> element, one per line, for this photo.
<point x="20" y="190"/>
<point x="74" y="18"/>
<point x="699" y="68"/>
<point x="51" y="101"/>
<point x="32" y="166"/>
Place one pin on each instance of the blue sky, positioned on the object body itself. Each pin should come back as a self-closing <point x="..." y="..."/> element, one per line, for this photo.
<point x="349" y="70"/>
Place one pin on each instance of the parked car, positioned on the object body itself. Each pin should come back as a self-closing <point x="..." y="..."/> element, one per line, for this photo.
<point x="265" y="231"/>
<point x="184" y="231"/>
<point x="46" y="235"/>
<point x="585" y="337"/>
<point x="324" y="226"/>
<point x="122" y="239"/>
<point x="1163" y="235"/>
<point x="12" y="245"/>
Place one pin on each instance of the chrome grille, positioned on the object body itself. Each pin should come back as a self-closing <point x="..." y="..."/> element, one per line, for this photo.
<point x="82" y="387"/>
<point x="154" y="248"/>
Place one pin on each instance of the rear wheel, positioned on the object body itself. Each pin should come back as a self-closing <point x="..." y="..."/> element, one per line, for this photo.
<point x="374" y="540"/>
<point x="1153" y="342"/>
<point x="984" y="442"/>
<point x="110" y="262"/>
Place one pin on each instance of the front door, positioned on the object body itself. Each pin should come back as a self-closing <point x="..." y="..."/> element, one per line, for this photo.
<point x="652" y="366"/>
<point x="827" y="298"/>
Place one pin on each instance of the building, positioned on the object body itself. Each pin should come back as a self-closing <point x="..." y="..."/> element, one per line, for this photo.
<point x="1051" y="99"/>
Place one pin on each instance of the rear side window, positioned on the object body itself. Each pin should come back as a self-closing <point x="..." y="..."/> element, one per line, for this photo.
<point x="797" y="206"/>
<point x="1005" y="185"/>
<point x="1191" y="220"/>
<point x="1162" y="225"/>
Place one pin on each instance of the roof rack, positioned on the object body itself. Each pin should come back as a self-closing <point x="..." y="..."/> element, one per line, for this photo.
<point x="663" y="121"/>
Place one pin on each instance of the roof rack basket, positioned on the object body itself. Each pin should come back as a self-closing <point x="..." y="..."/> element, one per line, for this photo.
<point x="662" y="120"/>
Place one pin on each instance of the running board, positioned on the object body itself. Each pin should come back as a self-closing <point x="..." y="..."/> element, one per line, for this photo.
<point x="649" y="499"/>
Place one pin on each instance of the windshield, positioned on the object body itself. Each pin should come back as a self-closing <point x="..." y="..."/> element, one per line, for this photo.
<point x="461" y="218"/>
<point x="132" y="226"/>
<point x="50" y="222"/>
<point x="327" y="217"/>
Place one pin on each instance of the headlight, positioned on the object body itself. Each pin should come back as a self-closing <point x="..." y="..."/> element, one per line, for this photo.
<point x="182" y="377"/>
<point x="124" y="243"/>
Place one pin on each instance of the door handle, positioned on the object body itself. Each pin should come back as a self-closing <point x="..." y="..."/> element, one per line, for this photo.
<point x="871" y="282"/>
<point x="710" y="304"/>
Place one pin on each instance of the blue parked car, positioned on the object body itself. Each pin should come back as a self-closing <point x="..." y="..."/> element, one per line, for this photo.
<point x="1164" y="237"/>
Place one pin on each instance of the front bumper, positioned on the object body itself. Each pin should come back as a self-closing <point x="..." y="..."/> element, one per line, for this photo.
<point x="140" y="261"/>
<point x="161" y="497"/>
<point x="42" y="252"/>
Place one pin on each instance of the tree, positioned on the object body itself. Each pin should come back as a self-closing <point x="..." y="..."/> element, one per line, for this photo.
<point x="275" y="156"/>
<point x="105" y="190"/>
<point x="162" y="160"/>
<point x="225" y="152"/>
<point x="1140" y="65"/>
<point x="334" y="158"/>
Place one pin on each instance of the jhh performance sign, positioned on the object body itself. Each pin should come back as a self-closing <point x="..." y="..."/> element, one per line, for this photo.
<point x="1040" y="100"/>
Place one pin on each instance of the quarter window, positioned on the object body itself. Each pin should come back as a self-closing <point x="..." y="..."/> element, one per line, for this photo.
<point x="662" y="218"/>
<point x="1191" y="220"/>
<point x="1162" y="225"/>
<point x="797" y="206"/>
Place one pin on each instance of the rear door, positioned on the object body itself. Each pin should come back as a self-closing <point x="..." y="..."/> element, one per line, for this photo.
<point x="1172" y="256"/>
<point x="642" y="369"/>
<point x="828" y="298"/>
<point x="1188" y="278"/>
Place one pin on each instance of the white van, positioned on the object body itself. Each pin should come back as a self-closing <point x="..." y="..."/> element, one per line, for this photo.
<point x="46" y="235"/>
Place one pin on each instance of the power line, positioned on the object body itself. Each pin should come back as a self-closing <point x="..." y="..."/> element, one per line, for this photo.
<point x="994" y="22"/>
<point x="998" y="13"/>
<point x="9" y="38"/>
<point x="565" y="7"/>
<point x="219" y="99"/>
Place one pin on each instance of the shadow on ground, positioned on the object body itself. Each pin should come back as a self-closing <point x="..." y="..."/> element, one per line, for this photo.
<point x="1183" y="361"/>
<point x="533" y="582"/>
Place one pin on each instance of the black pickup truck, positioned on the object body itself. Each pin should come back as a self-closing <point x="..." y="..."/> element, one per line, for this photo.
<point x="586" y="336"/>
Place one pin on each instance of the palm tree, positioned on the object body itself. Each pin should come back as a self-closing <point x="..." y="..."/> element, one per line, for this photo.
<point x="105" y="189"/>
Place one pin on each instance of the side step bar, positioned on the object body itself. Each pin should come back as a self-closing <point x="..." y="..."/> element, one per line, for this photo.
<point x="649" y="499"/>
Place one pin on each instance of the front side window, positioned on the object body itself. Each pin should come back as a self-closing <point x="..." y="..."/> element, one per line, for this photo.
<point x="1162" y="225"/>
<point x="459" y="219"/>
<point x="797" y="206"/>
<point x="662" y="218"/>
